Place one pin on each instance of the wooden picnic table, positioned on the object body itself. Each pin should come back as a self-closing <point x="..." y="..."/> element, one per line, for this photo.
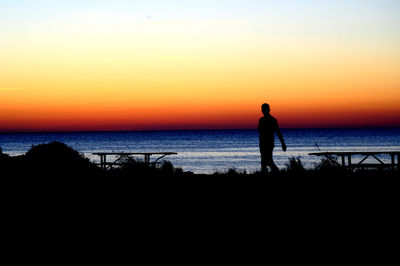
<point x="365" y="155"/>
<point x="120" y="156"/>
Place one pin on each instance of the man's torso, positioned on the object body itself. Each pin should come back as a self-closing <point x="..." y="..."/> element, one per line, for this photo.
<point x="267" y="127"/>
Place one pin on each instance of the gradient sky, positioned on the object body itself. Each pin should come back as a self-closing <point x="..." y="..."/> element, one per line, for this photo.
<point x="122" y="65"/>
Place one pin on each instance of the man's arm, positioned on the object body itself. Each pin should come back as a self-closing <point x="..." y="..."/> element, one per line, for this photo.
<point x="279" y="134"/>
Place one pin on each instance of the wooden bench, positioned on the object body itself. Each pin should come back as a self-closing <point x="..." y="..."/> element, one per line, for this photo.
<point x="377" y="155"/>
<point x="120" y="157"/>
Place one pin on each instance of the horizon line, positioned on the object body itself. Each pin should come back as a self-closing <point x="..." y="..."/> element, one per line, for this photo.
<point x="205" y="129"/>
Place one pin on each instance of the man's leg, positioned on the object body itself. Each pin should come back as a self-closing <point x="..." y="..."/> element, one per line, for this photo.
<point x="273" y="166"/>
<point x="264" y="159"/>
<point x="270" y="161"/>
<point x="263" y="164"/>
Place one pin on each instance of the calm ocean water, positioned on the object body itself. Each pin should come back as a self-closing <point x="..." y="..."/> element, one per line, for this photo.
<point x="207" y="151"/>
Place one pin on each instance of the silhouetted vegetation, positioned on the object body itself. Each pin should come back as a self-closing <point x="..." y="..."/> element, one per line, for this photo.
<point x="56" y="164"/>
<point x="52" y="160"/>
<point x="232" y="171"/>
<point x="328" y="163"/>
<point x="137" y="168"/>
<point x="295" y="165"/>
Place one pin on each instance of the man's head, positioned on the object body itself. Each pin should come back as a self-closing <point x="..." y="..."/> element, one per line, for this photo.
<point x="265" y="108"/>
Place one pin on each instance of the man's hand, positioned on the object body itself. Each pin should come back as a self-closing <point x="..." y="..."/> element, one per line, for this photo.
<point x="284" y="147"/>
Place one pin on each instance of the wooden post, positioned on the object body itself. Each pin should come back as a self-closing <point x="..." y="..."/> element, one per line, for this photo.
<point x="349" y="159"/>
<point x="393" y="161"/>
<point x="147" y="159"/>
<point x="398" y="162"/>
<point x="343" y="162"/>
<point x="101" y="161"/>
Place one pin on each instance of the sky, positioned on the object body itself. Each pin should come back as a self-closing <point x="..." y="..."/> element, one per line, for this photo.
<point x="139" y="65"/>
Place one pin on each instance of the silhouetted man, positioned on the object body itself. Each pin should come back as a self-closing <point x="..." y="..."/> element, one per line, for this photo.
<point x="267" y="127"/>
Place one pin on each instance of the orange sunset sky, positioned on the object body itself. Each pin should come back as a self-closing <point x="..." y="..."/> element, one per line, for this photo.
<point x="133" y="65"/>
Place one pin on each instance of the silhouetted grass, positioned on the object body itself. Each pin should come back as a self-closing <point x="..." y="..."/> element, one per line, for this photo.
<point x="58" y="161"/>
<point x="328" y="163"/>
<point x="232" y="171"/>
<point x="295" y="165"/>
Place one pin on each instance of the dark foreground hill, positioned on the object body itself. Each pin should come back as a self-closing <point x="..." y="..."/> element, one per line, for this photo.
<point x="52" y="160"/>
<point x="55" y="189"/>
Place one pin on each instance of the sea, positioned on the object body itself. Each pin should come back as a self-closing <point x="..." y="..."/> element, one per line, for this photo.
<point x="210" y="151"/>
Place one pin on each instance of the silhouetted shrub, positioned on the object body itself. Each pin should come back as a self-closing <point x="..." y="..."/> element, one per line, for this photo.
<point x="139" y="168"/>
<point x="295" y="165"/>
<point x="178" y="171"/>
<point x="57" y="159"/>
<point x="3" y="155"/>
<point x="167" y="168"/>
<point x="130" y="168"/>
<point x="232" y="171"/>
<point x="328" y="163"/>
